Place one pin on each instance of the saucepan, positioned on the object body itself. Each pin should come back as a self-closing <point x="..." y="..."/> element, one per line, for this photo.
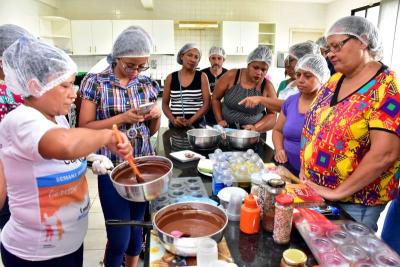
<point x="195" y="220"/>
<point x="156" y="171"/>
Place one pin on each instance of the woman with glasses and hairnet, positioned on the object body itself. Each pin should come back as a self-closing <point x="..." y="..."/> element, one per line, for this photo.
<point x="115" y="96"/>
<point x="350" y="141"/>
<point x="186" y="96"/>
<point x="238" y="84"/>
<point x="311" y="73"/>
<point x="43" y="160"/>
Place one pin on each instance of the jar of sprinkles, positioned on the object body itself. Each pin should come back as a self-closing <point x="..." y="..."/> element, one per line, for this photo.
<point x="283" y="218"/>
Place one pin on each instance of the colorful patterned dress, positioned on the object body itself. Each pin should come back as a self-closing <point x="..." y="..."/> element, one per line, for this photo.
<point x="336" y="135"/>
<point x="8" y="101"/>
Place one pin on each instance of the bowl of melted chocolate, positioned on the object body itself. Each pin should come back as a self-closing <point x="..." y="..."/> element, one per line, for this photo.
<point x="195" y="220"/>
<point x="156" y="174"/>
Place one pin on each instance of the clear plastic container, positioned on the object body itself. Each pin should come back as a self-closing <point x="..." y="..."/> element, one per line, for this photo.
<point x="383" y="259"/>
<point x="371" y="244"/>
<point x="270" y="189"/>
<point x="339" y="237"/>
<point x="283" y="219"/>
<point x="357" y="229"/>
<point x="322" y="245"/>
<point x="352" y="253"/>
<point x="315" y="230"/>
<point x="332" y="260"/>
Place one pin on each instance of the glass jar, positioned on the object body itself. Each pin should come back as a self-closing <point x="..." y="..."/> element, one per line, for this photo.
<point x="293" y="257"/>
<point x="283" y="218"/>
<point x="271" y="188"/>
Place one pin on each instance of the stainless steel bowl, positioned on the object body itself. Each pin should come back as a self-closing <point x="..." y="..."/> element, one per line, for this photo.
<point x="242" y="139"/>
<point x="204" y="138"/>
<point x="186" y="246"/>
<point x="143" y="191"/>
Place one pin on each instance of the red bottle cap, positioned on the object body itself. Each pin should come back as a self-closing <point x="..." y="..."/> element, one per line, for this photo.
<point x="284" y="199"/>
<point x="250" y="201"/>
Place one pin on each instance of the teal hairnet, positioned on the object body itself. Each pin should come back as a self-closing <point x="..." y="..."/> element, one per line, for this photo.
<point x="261" y="53"/>
<point x="30" y="61"/>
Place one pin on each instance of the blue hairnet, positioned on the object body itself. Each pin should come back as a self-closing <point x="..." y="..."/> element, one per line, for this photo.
<point x="261" y="53"/>
<point x="316" y="64"/>
<point x="132" y="42"/>
<point x="186" y="48"/>
<point x="29" y="62"/>
<point x="219" y="51"/>
<point x="301" y="49"/>
<point x="362" y="29"/>
<point x="10" y="33"/>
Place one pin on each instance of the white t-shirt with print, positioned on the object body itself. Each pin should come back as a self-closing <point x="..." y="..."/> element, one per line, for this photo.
<point x="48" y="198"/>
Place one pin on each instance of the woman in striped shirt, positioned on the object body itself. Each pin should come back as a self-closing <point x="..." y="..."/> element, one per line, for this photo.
<point x="186" y="96"/>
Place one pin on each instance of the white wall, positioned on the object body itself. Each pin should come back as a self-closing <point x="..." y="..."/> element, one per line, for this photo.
<point x="342" y="8"/>
<point x="24" y="13"/>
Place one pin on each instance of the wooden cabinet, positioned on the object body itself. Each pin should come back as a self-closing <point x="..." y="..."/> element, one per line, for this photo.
<point x="239" y="37"/>
<point x="161" y="32"/>
<point x="91" y="37"/>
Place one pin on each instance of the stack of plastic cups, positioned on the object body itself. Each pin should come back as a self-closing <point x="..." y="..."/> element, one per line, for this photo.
<point x="234" y="206"/>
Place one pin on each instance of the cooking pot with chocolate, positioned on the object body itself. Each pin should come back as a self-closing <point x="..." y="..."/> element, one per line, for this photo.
<point x="195" y="220"/>
<point x="156" y="172"/>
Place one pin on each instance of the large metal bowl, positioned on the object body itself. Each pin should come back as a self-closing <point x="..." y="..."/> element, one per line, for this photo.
<point x="143" y="191"/>
<point x="242" y="139"/>
<point x="204" y="138"/>
<point x="186" y="246"/>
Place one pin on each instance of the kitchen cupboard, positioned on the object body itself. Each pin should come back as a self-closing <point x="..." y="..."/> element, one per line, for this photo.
<point x="239" y="37"/>
<point x="91" y="37"/>
<point x="266" y="35"/>
<point x="161" y="32"/>
<point x="56" y="31"/>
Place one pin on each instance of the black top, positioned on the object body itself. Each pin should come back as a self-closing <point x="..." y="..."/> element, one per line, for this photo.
<point x="211" y="78"/>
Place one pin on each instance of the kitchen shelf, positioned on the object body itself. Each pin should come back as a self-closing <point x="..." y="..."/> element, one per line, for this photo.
<point x="56" y="31"/>
<point x="266" y="35"/>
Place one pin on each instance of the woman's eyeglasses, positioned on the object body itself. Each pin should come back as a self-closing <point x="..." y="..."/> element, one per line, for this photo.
<point x="130" y="68"/>
<point x="336" y="47"/>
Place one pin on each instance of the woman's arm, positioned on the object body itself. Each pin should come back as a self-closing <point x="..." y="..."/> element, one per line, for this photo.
<point x="165" y="102"/>
<point x="66" y="144"/>
<point x="277" y="139"/>
<point x="205" y="91"/>
<point x="383" y="153"/>
<point x="219" y="92"/>
<point x="268" y="121"/>
<point x="154" y="119"/>
<point x="3" y="187"/>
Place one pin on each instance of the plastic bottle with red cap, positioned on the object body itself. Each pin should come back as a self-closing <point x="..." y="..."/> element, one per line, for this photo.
<point x="283" y="218"/>
<point x="250" y="216"/>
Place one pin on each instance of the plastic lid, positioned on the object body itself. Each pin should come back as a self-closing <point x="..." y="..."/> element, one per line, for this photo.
<point x="294" y="256"/>
<point x="284" y="199"/>
<point x="269" y="176"/>
<point x="250" y="201"/>
<point x="276" y="183"/>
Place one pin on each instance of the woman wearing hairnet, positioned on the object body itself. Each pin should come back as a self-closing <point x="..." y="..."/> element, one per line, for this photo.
<point x="238" y="84"/>
<point x="114" y="96"/>
<point x="311" y="73"/>
<point x="9" y="33"/>
<point x="350" y="141"/>
<point x="296" y="52"/>
<point x="44" y="161"/>
<point x="186" y="96"/>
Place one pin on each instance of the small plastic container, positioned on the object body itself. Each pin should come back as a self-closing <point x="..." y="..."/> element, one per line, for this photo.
<point x="271" y="188"/>
<point x="332" y="260"/>
<point x="322" y="245"/>
<point x="234" y="207"/>
<point x="250" y="216"/>
<point x="207" y="252"/>
<point x="314" y="230"/>
<point x="339" y="237"/>
<point x="283" y="218"/>
<point x="352" y="253"/>
<point x="371" y="244"/>
<point x="357" y="229"/>
<point x="293" y="257"/>
<point x="383" y="259"/>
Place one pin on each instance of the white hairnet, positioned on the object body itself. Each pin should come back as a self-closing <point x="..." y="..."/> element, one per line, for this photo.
<point x="321" y="42"/>
<point x="134" y="41"/>
<point x="219" y="51"/>
<point x="316" y="64"/>
<point x="10" y="33"/>
<point x="301" y="49"/>
<point x="186" y="48"/>
<point x="42" y="66"/>
<point x="261" y="53"/>
<point x="361" y="28"/>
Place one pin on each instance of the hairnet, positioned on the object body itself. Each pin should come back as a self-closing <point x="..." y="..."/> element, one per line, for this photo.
<point x="219" y="51"/>
<point x="321" y="42"/>
<point x="301" y="49"/>
<point x="361" y="28"/>
<point x="134" y="41"/>
<point x="42" y="66"/>
<point x="316" y="64"/>
<point x="261" y="53"/>
<point x="186" y="48"/>
<point x="10" y="33"/>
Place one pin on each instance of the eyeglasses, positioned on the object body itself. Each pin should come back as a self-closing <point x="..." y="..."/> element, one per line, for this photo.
<point x="129" y="68"/>
<point x="336" y="47"/>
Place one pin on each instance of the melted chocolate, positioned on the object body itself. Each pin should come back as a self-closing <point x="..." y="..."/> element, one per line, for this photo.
<point x="195" y="223"/>
<point x="150" y="171"/>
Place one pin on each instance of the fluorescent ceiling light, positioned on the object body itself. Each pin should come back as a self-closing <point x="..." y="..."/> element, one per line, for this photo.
<point x="198" y="25"/>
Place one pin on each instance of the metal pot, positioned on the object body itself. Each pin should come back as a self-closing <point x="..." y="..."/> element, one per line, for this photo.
<point x="143" y="191"/>
<point x="204" y="138"/>
<point x="189" y="212"/>
<point x="242" y="139"/>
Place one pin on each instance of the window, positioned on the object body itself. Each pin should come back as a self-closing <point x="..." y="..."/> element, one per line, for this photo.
<point x="370" y="12"/>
